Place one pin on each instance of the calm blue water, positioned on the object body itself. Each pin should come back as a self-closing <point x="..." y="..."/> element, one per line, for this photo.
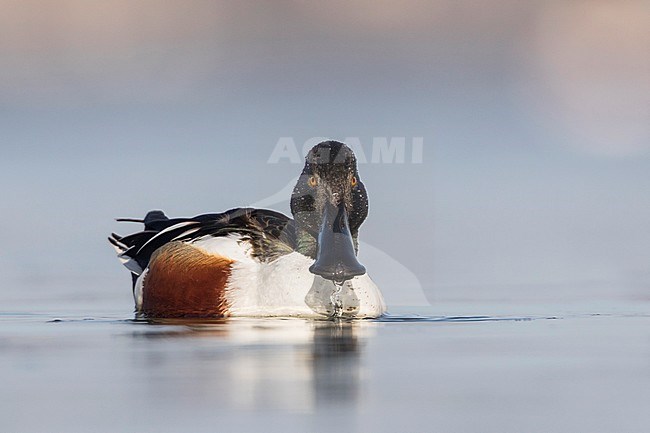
<point x="79" y="366"/>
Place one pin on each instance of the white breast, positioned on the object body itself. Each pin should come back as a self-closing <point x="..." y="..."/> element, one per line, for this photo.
<point x="285" y="287"/>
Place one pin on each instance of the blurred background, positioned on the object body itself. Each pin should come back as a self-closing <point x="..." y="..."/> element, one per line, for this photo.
<point x="534" y="177"/>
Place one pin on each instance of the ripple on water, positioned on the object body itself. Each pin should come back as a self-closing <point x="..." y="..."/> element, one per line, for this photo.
<point x="391" y="318"/>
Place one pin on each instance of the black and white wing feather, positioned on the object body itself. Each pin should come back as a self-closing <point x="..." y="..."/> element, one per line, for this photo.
<point x="270" y="233"/>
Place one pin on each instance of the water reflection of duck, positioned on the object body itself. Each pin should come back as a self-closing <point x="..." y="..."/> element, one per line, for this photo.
<point x="258" y="262"/>
<point x="295" y="365"/>
<point x="336" y="354"/>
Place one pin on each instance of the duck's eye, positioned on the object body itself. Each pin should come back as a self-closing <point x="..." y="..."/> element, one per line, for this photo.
<point x="312" y="181"/>
<point x="354" y="181"/>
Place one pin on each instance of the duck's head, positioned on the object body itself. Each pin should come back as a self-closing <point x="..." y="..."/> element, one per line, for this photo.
<point x="329" y="204"/>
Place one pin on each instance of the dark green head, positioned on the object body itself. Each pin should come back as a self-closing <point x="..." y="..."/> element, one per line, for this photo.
<point x="329" y="204"/>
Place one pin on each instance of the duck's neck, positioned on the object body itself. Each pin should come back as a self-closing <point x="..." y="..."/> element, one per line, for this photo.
<point x="306" y="244"/>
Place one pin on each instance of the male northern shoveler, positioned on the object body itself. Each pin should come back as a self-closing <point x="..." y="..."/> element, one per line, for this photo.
<point x="258" y="262"/>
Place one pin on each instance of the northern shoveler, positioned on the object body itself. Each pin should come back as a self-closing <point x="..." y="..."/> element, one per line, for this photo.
<point x="258" y="262"/>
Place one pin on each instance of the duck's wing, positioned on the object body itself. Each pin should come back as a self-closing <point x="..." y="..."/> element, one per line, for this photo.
<point x="270" y="233"/>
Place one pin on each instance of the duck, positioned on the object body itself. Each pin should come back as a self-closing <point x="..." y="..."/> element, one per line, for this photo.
<point x="252" y="262"/>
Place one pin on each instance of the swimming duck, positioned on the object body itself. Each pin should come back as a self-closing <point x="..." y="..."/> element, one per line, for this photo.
<point x="258" y="262"/>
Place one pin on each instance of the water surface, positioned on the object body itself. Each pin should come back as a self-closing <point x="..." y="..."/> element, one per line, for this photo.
<point x="479" y="367"/>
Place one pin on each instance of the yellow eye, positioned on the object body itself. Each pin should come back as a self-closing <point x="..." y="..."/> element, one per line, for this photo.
<point x="354" y="181"/>
<point x="312" y="181"/>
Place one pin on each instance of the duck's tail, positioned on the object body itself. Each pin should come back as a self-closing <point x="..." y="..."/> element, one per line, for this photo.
<point x="126" y="247"/>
